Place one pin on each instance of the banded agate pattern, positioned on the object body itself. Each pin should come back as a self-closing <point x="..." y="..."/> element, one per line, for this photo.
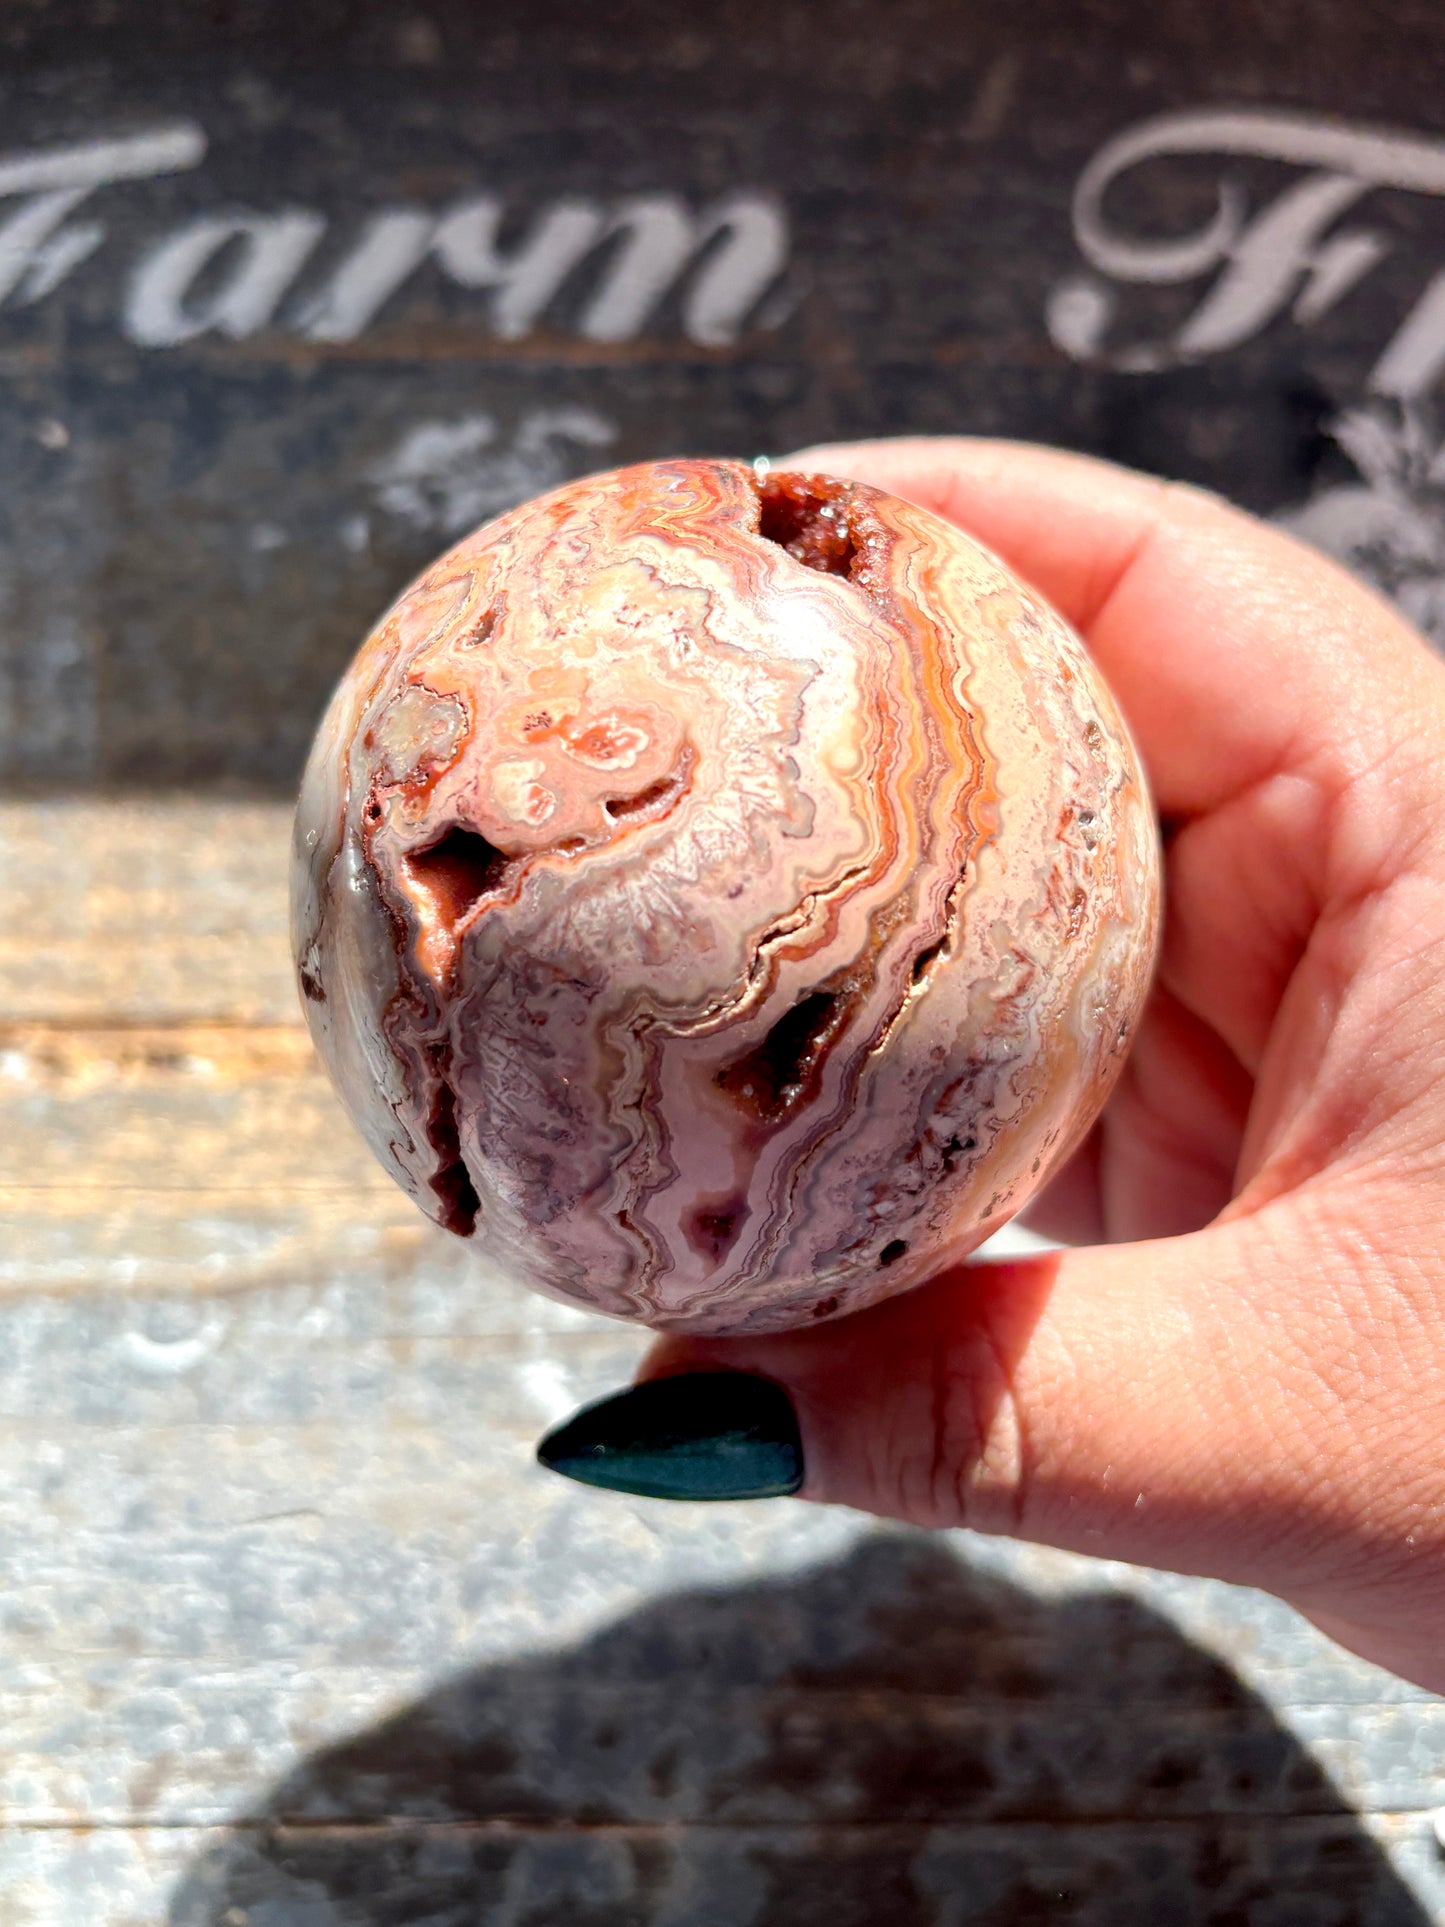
<point x="725" y="895"/>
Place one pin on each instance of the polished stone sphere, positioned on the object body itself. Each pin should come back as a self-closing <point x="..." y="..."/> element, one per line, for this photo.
<point x="723" y="895"/>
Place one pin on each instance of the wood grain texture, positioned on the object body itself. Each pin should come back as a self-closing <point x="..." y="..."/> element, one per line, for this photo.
<point x="144" y="913"/>
<point x="294" y="1634"/>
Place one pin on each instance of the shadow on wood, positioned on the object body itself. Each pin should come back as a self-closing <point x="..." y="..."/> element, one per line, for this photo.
<point x="891" y="1740"/>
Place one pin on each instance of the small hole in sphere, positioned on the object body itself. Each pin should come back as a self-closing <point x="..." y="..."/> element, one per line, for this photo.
<point x="712" y="1229"/>
<point x="895" y="1249"/>
<point x="771" y="1078"/>
<point x="825" y="1307"/>
<point x="809" y="517"/>
<point x="647" y="802"/>
<point x="458" y="1206"/>
<point x="458" y="869"/>
<point x="926" y="957"/>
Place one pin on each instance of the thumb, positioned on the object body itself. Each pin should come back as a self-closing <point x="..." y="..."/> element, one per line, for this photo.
<point x="1154" y="1402"/>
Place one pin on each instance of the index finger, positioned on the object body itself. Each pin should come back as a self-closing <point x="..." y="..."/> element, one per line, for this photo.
<point x="1235" y="652"/>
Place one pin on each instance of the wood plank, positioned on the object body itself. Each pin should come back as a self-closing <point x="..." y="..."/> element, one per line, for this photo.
<point x="186" y="1107"/>
<point x="144" y="912"/>
<point x="676" y="1752"/>
<point x="1318" y="1871"/>
<point x="71" y="1237"/>
<point x="944" y="1877"/>
<point x="276" y="1550"/>
<point x="280" y="1553"/>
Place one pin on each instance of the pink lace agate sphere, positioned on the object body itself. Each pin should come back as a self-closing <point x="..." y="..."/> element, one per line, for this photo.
<point x="724" y="897"/>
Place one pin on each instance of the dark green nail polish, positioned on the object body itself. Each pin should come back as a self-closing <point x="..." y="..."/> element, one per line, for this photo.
<point x="702" y="1435"/>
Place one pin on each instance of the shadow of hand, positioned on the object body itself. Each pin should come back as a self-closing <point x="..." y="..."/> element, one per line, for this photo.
<point x="890" y="1740"/>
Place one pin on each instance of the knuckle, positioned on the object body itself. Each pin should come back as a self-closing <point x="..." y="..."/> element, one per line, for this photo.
<point x="950" y="1448"/>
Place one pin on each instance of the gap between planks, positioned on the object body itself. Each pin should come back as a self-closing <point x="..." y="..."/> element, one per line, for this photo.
<point x="402" y="1826"/>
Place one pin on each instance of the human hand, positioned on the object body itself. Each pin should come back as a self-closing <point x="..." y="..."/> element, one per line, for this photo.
<point x="1240" y="1368"/>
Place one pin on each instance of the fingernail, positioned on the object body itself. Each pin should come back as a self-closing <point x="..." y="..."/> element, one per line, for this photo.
<point x="700" y="1435"/>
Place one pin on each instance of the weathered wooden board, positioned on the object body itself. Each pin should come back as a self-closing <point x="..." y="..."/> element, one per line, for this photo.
<point x="136" y="913"/>
<point x="289" y="296"/>
<point x="293" y="1633"/>
<point x="785" y="1877"/>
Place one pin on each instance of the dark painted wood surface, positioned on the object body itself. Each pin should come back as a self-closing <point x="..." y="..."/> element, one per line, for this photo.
<point x="334" y="282"/>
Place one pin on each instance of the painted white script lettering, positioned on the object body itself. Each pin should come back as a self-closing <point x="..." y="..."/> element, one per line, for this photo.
<point x="242" y="271"/>
<point x="1286" y="255"/>
<point x="37" y="252"/>
<point x="272" y="249"/>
